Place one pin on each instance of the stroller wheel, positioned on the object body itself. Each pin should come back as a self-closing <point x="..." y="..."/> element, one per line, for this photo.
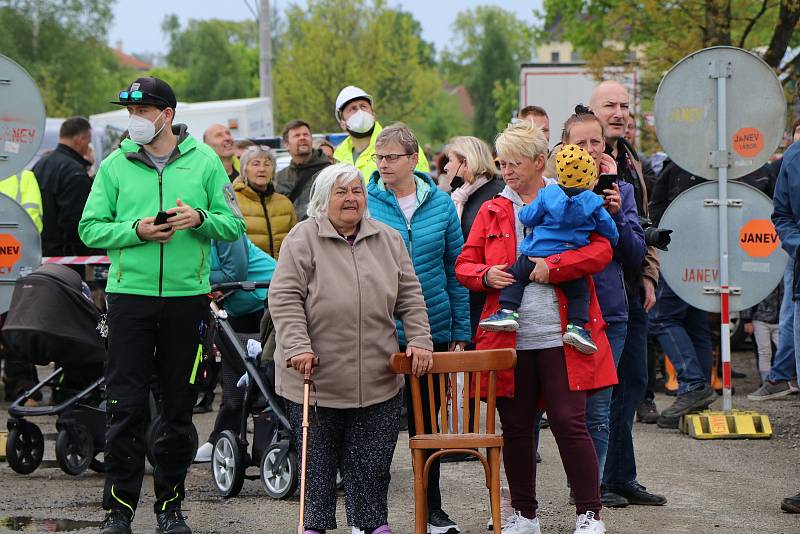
<point x="98" y="466"/>
<point x="24" y="447"/>
<point x="74" y="449"/>
<point x="228" y="464"/>
<point x="151" y="433"/>
<point x="279" y="477"/>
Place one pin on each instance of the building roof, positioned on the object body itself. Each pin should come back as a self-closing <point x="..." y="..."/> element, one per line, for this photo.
<point x="127" y="60"/>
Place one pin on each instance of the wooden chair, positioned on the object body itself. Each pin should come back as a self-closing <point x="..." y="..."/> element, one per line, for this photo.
<point x="446" y="366"/>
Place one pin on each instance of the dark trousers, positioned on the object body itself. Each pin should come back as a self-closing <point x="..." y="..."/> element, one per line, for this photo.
<point x="620" y="467"/>
<point x="434" y="490"/>
<point x="576" y="291"/>
<point x="544" y="372"/>
<point x="150" y="336"/>
<point x="682" y="331"/>
<point x="362" y="441"/>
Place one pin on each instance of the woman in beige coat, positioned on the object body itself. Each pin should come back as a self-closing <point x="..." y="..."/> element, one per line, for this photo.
<point x="341" y="280"/>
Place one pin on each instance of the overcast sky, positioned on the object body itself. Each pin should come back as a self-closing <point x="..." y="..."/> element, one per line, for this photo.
<point x="138" y="24"/>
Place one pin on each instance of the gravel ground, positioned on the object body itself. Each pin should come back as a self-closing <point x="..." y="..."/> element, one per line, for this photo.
<point x="712" y="486"/>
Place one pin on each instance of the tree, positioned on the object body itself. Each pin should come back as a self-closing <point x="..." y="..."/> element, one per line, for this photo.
<point x="490" y="43"/>
<point x="211" y="59"/>
<point x="608" y="32"/>
<point x="62" y="46"/>
<point x="329" y="44"/>
<point x="505" y="96"/>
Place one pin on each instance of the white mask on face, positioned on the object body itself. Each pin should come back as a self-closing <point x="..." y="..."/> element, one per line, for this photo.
<point x="360" y="122"/>
<point x="141" y="130"/>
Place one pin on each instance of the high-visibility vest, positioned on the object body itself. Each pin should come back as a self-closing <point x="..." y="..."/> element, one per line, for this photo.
<point x="24" y="189"/>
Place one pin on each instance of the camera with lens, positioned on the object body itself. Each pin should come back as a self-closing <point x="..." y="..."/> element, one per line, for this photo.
<point x="654" y="236"/>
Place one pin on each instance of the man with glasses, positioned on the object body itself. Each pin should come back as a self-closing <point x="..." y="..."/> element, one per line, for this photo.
<point x="155" y="205"/>
<point x="356" y="117"/>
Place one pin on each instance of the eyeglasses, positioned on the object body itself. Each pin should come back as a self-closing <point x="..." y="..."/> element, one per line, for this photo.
<point x="391" y="158"/>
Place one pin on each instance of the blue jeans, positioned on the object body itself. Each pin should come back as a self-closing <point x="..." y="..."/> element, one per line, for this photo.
<point x="682" y="331"/>
<point x="620" y="467"/>
<point x="783" y="365"/>
<point x="598" y="405"/>
<point x="796" y="335"/>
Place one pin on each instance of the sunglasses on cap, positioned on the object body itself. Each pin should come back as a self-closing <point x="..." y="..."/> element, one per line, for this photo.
<point x="137" y="96"/>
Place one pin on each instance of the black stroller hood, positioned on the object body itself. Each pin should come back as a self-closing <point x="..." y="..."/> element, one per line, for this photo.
<point x="50" y="320"/>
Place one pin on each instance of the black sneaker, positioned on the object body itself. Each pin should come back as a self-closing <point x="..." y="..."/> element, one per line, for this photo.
<point x="647" y="412"/>
<point x="172" y="522"/>
<point x="116" y="522"/>
<point x="693" y="401"/>
<point x="637" y="494"/>
<point x="440" y="523"/>
<point x="612" y="499"/>
<point x="791" y="504"/>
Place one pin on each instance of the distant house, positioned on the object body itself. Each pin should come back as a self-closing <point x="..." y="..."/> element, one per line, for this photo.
<point x="127" y="60"/>
<point x="464" y="101"/>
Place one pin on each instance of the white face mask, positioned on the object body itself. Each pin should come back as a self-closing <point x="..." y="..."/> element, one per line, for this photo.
<point x="360" y="122"/>
<point x="141" y="130"/>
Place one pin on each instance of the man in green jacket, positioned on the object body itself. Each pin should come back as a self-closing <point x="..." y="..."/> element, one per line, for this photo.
<point x="155" y="205"/>
<point x="356" y="117"/>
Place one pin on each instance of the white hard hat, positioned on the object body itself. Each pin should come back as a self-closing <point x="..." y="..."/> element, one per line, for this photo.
<point x="351" y="92"/>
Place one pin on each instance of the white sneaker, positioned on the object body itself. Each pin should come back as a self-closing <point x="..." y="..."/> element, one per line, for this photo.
<point x="506" y="510"/>
<point x="203" y="455"/>
<point x="587" y="524"/>
<point x="518" y="524"/>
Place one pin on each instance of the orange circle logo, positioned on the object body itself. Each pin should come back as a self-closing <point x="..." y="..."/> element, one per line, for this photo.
<point x="10" y="251"/>
<point x="748" y="142"/>
<point x="758" y="238"/>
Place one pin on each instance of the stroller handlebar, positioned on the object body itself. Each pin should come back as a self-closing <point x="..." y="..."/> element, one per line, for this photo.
<point x="246" y="285"/>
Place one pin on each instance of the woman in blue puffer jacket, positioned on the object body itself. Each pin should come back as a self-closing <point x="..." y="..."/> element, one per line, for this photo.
<point x="410" y="202"/>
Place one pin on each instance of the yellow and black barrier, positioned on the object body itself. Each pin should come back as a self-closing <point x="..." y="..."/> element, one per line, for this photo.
<point x="722" y="425"/>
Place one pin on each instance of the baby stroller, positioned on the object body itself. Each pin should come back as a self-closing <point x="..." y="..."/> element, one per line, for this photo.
<point x="273" y="448"/>
<point x="52" y="320"/>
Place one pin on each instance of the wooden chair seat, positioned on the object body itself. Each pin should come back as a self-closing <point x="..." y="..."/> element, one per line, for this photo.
<point x="449" y="437"/>
<point x="455" y="441"/>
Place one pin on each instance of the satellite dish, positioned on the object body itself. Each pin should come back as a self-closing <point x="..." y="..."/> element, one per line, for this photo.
<point x="686" y="111"/>
<point x="22" y="117"/>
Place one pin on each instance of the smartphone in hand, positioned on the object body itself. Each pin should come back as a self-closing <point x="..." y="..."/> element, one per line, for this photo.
<point x="163" y="217"/>
<point x="606" y="181"/>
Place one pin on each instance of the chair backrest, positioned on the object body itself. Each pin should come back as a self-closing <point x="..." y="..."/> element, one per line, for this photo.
<point x="446" y="366"/>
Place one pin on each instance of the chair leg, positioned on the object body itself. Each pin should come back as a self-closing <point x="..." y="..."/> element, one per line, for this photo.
<point x="494" y="486"/>
<point x="420" y="493"/>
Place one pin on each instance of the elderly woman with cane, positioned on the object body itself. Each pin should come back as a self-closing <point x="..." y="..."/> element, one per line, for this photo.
<point x="341" y="280"/>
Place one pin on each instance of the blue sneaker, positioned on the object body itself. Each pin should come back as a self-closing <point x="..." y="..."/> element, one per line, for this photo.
<point x="580" y="339"/>
<point x="502" y="321"/>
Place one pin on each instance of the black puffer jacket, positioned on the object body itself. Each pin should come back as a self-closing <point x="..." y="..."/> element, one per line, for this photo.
<point x="65" y="186"/>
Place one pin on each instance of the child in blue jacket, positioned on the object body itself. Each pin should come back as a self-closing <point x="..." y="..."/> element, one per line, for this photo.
<point x="561" y="219"/>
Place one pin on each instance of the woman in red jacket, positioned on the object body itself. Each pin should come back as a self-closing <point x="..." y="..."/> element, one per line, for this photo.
<point x="546" y="371"/>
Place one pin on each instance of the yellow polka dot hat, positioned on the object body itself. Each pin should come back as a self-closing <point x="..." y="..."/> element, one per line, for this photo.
<point x="575" y="167"/>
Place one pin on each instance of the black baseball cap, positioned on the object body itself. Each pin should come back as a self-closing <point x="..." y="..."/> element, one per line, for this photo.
<point x="148" y="91"/>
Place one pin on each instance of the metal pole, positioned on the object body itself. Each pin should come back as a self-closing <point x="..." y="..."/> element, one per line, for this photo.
<point x="265" y="50"/>
<point x="722" y="147"/>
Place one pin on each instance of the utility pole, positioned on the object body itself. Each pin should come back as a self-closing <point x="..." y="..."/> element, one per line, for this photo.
<point x="265" y="55"/>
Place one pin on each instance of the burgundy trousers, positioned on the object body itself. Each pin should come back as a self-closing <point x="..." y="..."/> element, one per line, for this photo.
<point x="544" y="372"/>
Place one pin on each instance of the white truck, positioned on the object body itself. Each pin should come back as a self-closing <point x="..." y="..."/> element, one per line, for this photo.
<point x="559" y="87"/>
<point x="245" y="117"/>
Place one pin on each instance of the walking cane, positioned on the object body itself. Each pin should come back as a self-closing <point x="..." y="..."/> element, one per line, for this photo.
<point x="307" y="383"/>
